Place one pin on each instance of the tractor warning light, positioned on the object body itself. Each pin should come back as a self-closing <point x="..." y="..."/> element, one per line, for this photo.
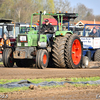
<point x="38" y="21"/>
<point x="59" y="11"/>
<point x="61" y="34"/>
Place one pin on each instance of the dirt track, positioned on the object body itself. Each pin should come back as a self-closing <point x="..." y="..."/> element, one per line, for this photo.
<point x="26" y="73"/>
<point x="65" y="93"/>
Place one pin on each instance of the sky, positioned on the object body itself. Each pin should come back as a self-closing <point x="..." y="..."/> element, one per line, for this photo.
<point x="92" y="4"/>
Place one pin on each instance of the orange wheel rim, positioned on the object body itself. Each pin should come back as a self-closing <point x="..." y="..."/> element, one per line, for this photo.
<point x="44" y="59"/>
<point x="76" y="51"/>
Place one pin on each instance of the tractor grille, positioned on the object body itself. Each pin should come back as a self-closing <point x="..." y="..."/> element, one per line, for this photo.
<point x="22" y="38"/>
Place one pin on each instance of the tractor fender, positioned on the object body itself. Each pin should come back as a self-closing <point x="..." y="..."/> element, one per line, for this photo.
<point x="62" y="33"/>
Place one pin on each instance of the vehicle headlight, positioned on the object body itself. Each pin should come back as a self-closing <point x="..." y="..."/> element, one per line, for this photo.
<point x="18" y="44"/>
<point x="25" y="44"/>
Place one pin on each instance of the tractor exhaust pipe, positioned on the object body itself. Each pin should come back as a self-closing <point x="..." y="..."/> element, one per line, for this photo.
<point x="40" y="25"/>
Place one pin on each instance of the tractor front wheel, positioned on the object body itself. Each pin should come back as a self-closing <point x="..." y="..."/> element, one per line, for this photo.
<point x="42" y="59"/>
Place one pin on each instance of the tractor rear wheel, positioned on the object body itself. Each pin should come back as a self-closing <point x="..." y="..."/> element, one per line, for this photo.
<point x="42" y="59"/>
<point x="73" y="52"/>
<point x="8" y="60"/>
<point x="59" y="49"/>
<point x="97" y="55"/>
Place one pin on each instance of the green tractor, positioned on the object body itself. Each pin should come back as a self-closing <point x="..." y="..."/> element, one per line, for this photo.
<point x="65" y="49"/>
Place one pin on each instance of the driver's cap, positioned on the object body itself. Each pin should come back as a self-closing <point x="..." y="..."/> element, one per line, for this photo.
<point x="46" y="20"/>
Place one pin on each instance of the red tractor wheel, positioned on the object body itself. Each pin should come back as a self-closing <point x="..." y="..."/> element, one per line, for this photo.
<point x="73" y="52"/>
<point x="76" y="51"/>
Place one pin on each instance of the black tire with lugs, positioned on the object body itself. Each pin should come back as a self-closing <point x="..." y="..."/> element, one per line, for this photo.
<point x="97" y="55"/>
<point x="59" y="49"/>
<point x="42" y="59"/>
<point x="8" y="58"/>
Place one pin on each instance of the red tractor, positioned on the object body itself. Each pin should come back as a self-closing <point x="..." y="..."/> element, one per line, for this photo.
<point x="11" y="30"/>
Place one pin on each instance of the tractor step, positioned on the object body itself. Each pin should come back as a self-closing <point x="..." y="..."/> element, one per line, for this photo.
<point x="94" y="64"/>
<point x="49" y="49"/>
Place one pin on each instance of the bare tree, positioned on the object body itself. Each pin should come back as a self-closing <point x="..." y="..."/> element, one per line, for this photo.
<point x="21" y="10"/>
<point x="97" y="18"/>
<point x="83" y="12"/>
<point x="5" y="8"/>
<point x="1" y="1"/>
<point x="62" y="5"/>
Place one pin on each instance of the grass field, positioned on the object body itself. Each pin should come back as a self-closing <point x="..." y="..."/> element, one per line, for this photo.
<point x="3" y="81"/>
<point x="84" y="79"/>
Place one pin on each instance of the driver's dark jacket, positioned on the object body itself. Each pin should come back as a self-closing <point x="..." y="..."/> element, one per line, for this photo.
<point x="49" y="28"/>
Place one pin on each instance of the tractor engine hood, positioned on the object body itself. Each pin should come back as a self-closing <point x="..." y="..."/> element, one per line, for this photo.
<point x="30" y="39"/>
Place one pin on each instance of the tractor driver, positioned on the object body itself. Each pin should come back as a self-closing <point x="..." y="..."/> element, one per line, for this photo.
<point x="94" y="32"/>
<point x="48" y="29"/>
